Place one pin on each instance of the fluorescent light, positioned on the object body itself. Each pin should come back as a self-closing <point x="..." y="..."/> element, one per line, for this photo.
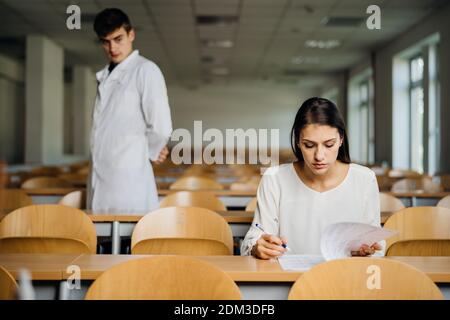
<point x="219" y="71"/>
<point x="305" y="60"/>
<point x="218" y="43"/>
<point x="322" y="44"/>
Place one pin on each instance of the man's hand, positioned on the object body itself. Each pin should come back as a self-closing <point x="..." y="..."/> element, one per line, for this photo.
<point x="162" y="155"/>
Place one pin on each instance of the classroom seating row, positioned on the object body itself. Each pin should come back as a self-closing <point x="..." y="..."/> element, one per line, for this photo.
<point x="192" y="231"/>
<point x="223" y="277"/>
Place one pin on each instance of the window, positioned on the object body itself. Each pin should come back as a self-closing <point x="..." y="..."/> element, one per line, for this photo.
<point x="416" y="126"/>
<point x="416" y="112"/>
<point x="361" y="118"/>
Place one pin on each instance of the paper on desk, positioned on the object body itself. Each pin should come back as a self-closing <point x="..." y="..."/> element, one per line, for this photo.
<point x="299" y="262"/>
<point x="340" y="239"/>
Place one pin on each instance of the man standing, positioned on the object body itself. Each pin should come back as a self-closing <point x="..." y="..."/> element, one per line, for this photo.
<point x="131" y="123"/>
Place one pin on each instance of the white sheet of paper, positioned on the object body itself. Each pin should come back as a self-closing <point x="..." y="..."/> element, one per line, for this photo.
<point x="299" y="262"/>
<point x="339" y="239"/>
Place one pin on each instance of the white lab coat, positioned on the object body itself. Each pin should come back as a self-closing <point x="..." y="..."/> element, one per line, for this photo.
<point x="131" y="124"/>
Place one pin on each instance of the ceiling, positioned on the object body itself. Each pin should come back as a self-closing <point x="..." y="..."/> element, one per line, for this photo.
<point x="267" y="36"/>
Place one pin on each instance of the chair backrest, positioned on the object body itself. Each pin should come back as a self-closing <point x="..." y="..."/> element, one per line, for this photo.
<point x="74" y="199"/>
<point x="74" y="178"/>
<point x="251" y="206"/>
<point x="12" y="199"/>
<point x="390" y="203"/>
<point x="411" y="184"/>
<point x="403" y="173"/>
<point x="4" y="177"/>
<point x="445" y="182"/>
<point x="47" y="171"/>
<point x="422" y="231"/>
<point x="444" y="202"/>
<point x="164" y="278"/>
<point x="8" y="285"/>
<point x="361" y="278"/>
<point x="48" y="228"/>
<point x="178" y="230"/>
<point x="84" y="170"/>
<point x="385" y="183"/>
<point x="195" y="183"/>
<point x="46" y="182"/>
<point x="200" y="199"/>
<point x="246" y="184"/>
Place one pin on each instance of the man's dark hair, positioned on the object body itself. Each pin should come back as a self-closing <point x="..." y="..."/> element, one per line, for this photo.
<point x="109" y="20"/>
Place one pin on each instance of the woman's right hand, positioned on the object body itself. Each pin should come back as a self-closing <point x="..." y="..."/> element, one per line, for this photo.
<point x="269" y="247"/>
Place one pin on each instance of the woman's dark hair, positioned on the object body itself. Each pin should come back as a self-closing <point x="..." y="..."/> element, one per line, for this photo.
<point x="109" y="20"/>
<point x="323" y="112"/>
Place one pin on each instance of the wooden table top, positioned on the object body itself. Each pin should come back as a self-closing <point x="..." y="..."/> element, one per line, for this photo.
<point x="41" y="266"/>
<point x="229" y="216"/>
<point x="240" y="268"/>
<point x="227" y="192"/>
<point x="233" y="216"/>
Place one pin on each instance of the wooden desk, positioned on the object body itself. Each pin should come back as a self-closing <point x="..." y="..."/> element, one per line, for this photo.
<point x="239" y="199"/>
<point x="415" y="199"/>
<point x="41" y="266"/>
<point x="257" y="279"/>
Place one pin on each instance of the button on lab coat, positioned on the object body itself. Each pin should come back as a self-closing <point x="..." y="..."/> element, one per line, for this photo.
<point x="131" y="124"/>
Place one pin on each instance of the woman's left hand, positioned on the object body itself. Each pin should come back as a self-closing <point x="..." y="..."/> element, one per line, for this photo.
<point x="365" y="250"/>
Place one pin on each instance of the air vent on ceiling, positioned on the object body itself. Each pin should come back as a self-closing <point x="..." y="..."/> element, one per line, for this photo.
<point x="88" y="18"/>
<point x="343" y="21"/>
<point x="294" y="73"/>
<point x="216" y="20"/>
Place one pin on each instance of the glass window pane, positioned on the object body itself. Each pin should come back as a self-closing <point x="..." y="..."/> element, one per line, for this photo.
<point x="417" y="115"/>
<point x="417" y="69"/>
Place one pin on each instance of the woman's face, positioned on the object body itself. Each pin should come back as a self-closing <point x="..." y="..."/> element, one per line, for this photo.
<point x="319" y="145"/>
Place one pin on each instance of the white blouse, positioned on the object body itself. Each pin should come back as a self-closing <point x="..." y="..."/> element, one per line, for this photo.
<point x="288" y="208"/>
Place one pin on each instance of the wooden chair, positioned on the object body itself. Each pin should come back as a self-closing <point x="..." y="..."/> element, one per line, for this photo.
<point x="84" y="170"/>
<point x="403" y="173"/>
<point x="385" y="183"/>
<point x="164" y="278"/>
<point x="423" y="231"/>
<point x="445" y="182"/>
<point x="195" y="183"/>
<point x="74" y="199"/>
<point x="424" y="184"/>
<point x="46" y="182"/>
<point x="444" y="202"/>
<point x="251" y="206"/>
<point x="193" y="199"/>
<point x="8" y="285"/>
<point x="356" y="279"/>
<point x="47" y="228"/>
<point x="4" y="177"/>
<point x="74" y="178"/>
<point x="12" y="199"/>
<point x="50" y="171"/>
<point x="246" y="184"/>
<point x="186" y="231"/>
<point x="390" y="203"/>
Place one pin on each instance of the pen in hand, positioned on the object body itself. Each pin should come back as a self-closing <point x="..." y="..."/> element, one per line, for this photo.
<point x="260" y="228"/>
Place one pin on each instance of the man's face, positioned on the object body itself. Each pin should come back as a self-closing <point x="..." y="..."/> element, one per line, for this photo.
<point x="118" y="44"/>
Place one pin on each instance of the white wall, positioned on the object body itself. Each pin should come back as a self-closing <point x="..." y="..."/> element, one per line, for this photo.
<point x="258" y="105"/>
<point x="44" y="100"/>
<point x="12" y="118"/>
